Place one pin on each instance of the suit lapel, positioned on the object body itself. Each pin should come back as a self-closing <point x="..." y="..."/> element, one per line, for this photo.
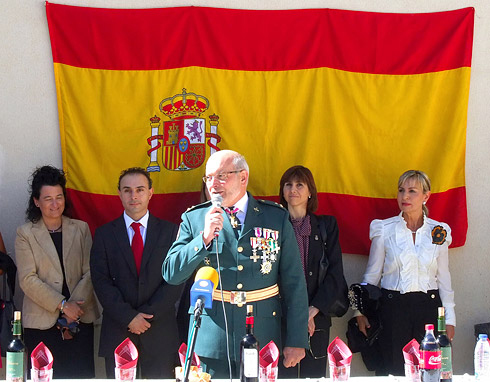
<point x="315" y="245"/>
<point x="69" y="231"/>
<point x="122" y="239"/>
<point x="252" y="218"/>
<point x="44" y="240"/>
<point x="152" y="232"/>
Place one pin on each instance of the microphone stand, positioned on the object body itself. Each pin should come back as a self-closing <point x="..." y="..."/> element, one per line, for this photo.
<point x="190" y="349"/>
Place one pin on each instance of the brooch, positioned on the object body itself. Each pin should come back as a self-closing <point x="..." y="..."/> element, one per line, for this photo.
<point x="439" y="235"/>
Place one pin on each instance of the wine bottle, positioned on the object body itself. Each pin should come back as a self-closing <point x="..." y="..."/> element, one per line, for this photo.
<point x="249" y="351"/>
<point x="446" y="349"/>
<point x="16" y="353"/>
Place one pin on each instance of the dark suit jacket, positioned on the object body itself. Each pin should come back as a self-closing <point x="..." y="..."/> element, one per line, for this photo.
<point x="318" y="294"/>
<point x="123" y="294"/>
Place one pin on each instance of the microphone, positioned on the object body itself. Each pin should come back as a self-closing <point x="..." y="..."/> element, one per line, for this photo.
<point x="216" y="200"/>
<point x="205" y="283"/>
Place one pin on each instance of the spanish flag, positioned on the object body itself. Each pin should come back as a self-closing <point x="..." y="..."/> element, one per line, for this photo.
<point x="357" y="97"/>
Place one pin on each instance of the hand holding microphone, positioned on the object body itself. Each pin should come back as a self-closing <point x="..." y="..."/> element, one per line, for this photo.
<point x="213" y="222"/>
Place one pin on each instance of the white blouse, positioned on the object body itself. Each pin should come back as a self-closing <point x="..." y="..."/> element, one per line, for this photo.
<point x="405" y="266"/>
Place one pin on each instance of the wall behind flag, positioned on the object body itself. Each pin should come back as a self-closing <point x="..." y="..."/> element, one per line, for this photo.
<point x="30" y="135"/>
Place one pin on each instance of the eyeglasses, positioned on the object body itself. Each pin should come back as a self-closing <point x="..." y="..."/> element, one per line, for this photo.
<point x="319" y="335"/>
<point x="222" y="176"/>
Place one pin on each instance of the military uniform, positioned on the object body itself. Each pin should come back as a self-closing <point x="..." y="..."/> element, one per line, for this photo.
<point x="244" y="267"/>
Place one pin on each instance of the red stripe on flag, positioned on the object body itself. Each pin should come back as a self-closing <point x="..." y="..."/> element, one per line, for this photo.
<point x="165" y="38"/>
<point x="353" y="213"/>
<point x="97" y="209"/>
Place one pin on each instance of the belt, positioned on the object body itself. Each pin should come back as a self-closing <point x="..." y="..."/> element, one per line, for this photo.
<point x="241" y="297"/>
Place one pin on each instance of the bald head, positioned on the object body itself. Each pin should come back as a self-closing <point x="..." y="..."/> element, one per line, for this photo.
<point x="228" y="172"/>
<point x="237" y="160"/>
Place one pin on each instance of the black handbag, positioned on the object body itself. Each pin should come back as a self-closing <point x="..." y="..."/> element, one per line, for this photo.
<point x="340" y="302"/>
<point x="7" y="308"/>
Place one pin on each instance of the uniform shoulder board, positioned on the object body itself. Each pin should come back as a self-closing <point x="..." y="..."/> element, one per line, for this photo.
<point x="270" y="203"/>
<point x="197" y="206"/>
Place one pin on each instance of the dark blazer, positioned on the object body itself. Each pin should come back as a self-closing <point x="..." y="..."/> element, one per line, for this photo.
<point x="123" y="294"/>
<point x="318" y="295"/>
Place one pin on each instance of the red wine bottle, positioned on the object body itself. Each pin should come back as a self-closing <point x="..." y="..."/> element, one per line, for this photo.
<point x="16" y="353"/>
<point x="249" y="351"/>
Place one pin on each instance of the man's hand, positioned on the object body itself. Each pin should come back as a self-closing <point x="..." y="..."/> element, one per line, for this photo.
<point x="212" y="221"/>
<point x="363" y="324"/>
<point x="292" y="356"/>
<point x="138" y="324"/>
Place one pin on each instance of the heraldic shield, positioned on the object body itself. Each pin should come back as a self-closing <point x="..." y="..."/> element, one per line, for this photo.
<point x="184" y="143"/>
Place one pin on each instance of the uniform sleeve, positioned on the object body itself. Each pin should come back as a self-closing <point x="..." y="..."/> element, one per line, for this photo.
<point x="292" y="288"/>
<point x="185" y="254"/>
<point x="375" y="264"/>
<point x="444" y="279"/>
<point x="36" y="289"/>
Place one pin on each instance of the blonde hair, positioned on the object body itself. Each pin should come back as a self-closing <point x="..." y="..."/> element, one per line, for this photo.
<point x="421" y="178"/>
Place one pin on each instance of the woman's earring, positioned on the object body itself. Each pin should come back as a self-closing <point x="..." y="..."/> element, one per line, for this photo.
<point x="424" y="203"/>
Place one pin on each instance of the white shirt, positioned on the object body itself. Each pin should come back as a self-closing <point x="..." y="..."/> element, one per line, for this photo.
<point x="143" y="227"/>
<point x="405" y="266"/>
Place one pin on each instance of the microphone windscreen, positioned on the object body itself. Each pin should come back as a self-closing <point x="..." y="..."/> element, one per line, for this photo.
<point x="216" y="200"/>
<point x="208" y="273"/>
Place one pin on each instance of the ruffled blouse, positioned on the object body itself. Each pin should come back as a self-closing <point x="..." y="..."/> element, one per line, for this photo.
<point x="402" y="265"/>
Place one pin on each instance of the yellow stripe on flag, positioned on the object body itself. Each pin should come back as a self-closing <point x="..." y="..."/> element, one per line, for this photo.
<point x="290" y="116"/>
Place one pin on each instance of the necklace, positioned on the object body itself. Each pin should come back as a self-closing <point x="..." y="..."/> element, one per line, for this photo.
<point x="55" y="230"/>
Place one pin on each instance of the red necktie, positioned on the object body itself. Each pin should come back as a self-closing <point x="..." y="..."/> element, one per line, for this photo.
<point x="137" y="245"/>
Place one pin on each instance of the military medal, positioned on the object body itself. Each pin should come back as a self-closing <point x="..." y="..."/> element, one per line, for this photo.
<point x="265" y="240"/>
<point x="207" y="261"/>
<point x="254" y="242"/>
<point x="266" y="267"/>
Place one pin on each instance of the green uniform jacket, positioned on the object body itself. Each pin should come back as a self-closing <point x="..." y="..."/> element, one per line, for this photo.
<point x="239" y="272"/>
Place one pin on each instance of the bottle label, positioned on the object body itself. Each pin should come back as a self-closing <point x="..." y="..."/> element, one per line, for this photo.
<point x="446" y="363"/>
<point x="430" y="359"/>
<point x="15" y="366"/>
<point x="250" y="363"/>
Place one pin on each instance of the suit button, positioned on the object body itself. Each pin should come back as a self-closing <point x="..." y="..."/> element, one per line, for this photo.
<point x="239" y="305"/>
<point x="273" y="313"/>
<point x="239" y="286"/>
<point x="240" y="249"/>
<point x="311" y="273"/>
<point x="196" y="249"/>
<point x="240" y="267"/>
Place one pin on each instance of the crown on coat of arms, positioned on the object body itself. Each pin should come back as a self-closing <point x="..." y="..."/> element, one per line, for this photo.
<point x="185" y="104"/>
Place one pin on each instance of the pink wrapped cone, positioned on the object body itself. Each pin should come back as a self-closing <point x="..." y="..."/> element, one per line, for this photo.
<point x="41" y="357"/>
<point x="126" y="355"/>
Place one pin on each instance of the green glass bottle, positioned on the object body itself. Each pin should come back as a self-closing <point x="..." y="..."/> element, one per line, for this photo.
<point x="16" y="353"/>
<point x="446" y="349"/>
